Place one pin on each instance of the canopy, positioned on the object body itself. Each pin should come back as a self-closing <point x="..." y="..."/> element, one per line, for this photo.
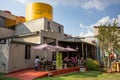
<point x="59" y="48"/>
<point x="44" y="47"/>
<point x="70" y="49"/>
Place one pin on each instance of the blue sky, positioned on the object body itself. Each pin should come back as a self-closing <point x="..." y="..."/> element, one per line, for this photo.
<point x="77" y="16"/>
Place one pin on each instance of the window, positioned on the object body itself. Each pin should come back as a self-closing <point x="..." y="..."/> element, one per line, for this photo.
<point x="59" y="29"/>
<point x="2" y="21"/>
<point x="48" y="25"/>
<point x="2" y="41"/>
<point x="27" y="51"/>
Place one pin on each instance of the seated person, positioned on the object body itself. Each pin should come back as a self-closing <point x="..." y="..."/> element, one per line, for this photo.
<point x="66" y="60"/>
<point x="76" y="61"/>
<point x="73" y="61"/>
<point x="37" y="62"/>
<point x="44" y="61"/>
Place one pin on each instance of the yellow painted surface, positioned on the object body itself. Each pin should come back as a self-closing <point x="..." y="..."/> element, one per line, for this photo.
<point x="10" y="22"/>
<point x="20" y="19"/>
<point x="38" y="10"/>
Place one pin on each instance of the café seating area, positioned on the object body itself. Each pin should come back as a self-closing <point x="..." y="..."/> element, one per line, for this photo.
<point x="47" y="65"/>
<point x="51" y="65"/>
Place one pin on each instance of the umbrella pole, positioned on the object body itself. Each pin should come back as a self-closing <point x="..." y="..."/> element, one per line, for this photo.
<point x="68" y="54"/>
<point x="45" y="55"/>
<point x="45" y="61"/>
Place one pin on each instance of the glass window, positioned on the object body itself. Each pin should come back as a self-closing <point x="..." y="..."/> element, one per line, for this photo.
<point x="2" y="22"/>
<point x="59" y="29"/>
<point x="27" y="52"/>
<point x="48" y="25"/>
<point x="2" y="41"/>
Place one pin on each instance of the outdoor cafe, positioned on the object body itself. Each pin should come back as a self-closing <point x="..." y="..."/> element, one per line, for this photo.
<point x="51" y="65"/>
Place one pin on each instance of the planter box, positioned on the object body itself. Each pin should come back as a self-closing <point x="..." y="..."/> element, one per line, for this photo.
<point x="82" y="69"/>
<point x="64" y="71"/>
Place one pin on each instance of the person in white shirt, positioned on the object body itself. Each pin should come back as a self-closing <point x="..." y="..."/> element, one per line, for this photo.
<point x="37" y="62"/>
<point x="115" y="57"/>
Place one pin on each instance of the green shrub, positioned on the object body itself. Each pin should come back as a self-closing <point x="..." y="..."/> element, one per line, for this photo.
<point x="92" y="64"/>
<point x="2" y="74"/>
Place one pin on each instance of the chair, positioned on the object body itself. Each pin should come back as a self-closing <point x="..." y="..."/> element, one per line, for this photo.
<point x="79" y="62"/>
<point x="52" y="65"/>
<point x="114" y="67"/>
<point x="41" y="66"/>
<point x="54" y="62"/>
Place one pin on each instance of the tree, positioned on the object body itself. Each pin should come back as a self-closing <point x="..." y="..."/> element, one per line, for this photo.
<point x="109" y="38"/>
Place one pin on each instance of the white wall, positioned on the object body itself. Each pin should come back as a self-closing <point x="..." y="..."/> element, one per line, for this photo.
<point x="4" y="57"/>
<point x="17" y="59"/>
<point x="30" y="26"/>
<point x="41" y="26"/>
<point x="4" y="32"/>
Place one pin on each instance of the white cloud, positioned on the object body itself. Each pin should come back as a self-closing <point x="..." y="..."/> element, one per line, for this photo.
<point x="22" y="1"/>
<point x="86" y="4"/>
<point x="118" y="20"/>
<point x="81" y="26"/>
<point x="93" y="4"/>
<point x="81" y="34"/>
<point x="89" y="33"/>
<point x="88" y="30"/>
<point x="107" y="20"/>
<point x="85" y="26"/>
<point x="104" y="20"/>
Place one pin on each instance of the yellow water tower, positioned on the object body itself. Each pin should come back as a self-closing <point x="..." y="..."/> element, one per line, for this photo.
<point x="39" y="10"/>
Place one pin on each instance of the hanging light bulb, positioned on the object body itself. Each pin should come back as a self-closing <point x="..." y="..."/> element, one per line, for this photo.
<point x="77" y="48"/>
